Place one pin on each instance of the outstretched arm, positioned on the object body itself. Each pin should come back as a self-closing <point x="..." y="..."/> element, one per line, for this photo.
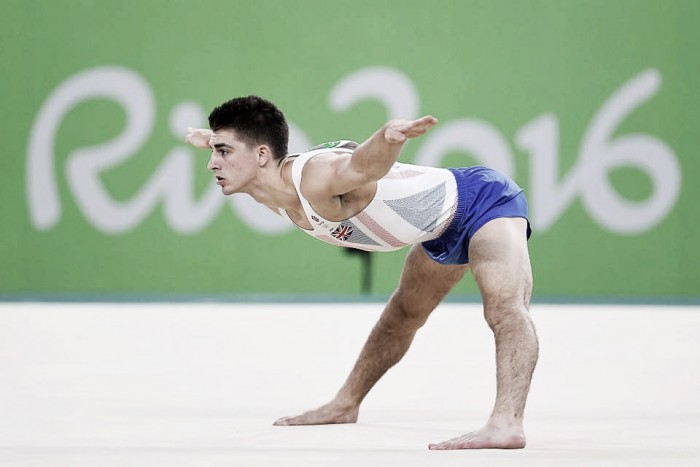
<point x="374" y="157"/>
<point x="369" y="162"/>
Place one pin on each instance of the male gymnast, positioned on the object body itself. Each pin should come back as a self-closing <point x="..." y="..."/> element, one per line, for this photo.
<point x="359" y="196"/>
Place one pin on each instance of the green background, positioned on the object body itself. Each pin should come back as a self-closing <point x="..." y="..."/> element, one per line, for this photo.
<point x="503" y="62"/>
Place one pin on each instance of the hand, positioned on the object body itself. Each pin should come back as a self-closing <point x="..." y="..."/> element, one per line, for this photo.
<point x="398" y="131"/>
<point x="199" y="137"/>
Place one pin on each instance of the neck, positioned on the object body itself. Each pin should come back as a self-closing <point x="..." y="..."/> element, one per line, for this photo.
<point x="275" y="188"/>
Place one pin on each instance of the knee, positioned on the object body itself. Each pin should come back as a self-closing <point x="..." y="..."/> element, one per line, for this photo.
<point x="501" y="314"/>
<point x="508" y="305"/>
<point x="402" y="316"/>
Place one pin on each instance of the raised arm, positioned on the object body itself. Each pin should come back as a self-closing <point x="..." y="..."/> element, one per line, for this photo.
<point x="374" y="157"/>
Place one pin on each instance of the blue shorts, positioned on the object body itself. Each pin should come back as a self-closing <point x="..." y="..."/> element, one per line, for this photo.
<point x="483" y="194"/>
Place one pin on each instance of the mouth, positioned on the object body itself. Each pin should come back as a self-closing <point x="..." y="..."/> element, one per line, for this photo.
<point x="220" y="180"/>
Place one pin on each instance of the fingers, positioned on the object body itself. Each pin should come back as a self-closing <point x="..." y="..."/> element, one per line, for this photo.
<point x="414" y="128"/>
<point x="397" y="131"/>
<point x="394" y="135"/>
<point x="427" y="120"/>
<point x="423" y="124"/>
<point x="198" y="137"/>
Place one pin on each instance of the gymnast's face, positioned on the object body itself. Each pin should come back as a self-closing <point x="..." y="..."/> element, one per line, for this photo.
<point x="233" y="162"/>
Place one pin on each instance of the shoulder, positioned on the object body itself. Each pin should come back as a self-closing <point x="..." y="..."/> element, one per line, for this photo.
<point x="319" y="173"/>
<point x="323" y="153"/>
<point x="322" y="160"/>
<point x="323" y="167"/>
<point x="340" y="144"/>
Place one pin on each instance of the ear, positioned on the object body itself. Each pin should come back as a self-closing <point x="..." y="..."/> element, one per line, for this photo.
<point x="264" y="155"/>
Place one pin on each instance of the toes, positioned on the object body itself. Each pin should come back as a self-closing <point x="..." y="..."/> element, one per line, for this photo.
<point x="476" y="441"/>
<point x="463" y="442"/>
<point x="445" y="446"/>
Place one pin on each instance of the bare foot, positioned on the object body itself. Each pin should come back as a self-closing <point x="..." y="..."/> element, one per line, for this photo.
<point x="326" y="415"/>
<point x="486" y="438"/>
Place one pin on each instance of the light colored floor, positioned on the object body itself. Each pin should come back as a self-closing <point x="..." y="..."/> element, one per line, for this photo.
<point x="201" y="384"/>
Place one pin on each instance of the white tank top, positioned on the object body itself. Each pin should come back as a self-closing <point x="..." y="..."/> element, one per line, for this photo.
<point x="413" y="204"/>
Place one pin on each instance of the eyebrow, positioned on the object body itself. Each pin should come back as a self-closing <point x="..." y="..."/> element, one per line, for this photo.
<point x="221" y="145"/>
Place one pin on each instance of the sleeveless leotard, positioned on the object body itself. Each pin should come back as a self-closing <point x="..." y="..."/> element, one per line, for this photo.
<point x="413" y="204"/>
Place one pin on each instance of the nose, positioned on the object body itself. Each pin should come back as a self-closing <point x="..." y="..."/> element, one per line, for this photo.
<point x="213" y="162"/>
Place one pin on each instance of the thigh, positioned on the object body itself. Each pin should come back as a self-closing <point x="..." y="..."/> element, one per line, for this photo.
<point x="425" y="282"/>
<point x="500" y="262"/>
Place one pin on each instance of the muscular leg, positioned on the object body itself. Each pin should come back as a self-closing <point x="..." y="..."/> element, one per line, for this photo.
<point x="424" y="283"/>
<point x="501" y="266"/>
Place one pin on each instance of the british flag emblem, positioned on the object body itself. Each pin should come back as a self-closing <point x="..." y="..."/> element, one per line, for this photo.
<point x="342" y="232"/>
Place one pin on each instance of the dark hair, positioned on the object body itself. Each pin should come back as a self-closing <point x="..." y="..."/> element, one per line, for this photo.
<point x="255" y="121"/>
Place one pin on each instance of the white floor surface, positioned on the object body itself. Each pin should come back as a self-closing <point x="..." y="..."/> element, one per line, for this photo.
<point x="200" y="385"/>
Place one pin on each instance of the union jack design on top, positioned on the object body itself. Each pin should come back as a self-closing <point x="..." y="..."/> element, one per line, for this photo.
<point x="342" y="232"/>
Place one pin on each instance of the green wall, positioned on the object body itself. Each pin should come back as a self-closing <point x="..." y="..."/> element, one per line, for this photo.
<point x="592" y="106"/>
